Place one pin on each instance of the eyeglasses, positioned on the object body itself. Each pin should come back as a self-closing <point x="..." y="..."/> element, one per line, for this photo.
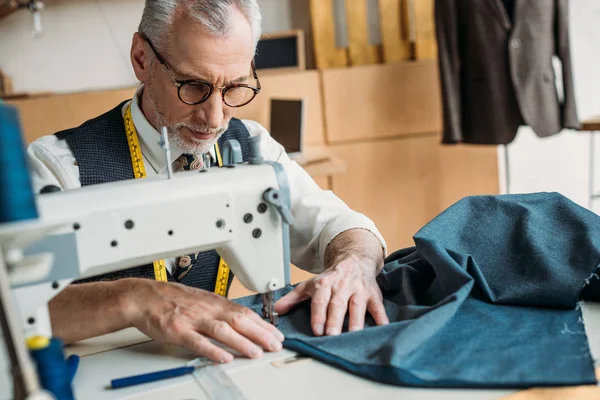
<point x="195" y="91"/>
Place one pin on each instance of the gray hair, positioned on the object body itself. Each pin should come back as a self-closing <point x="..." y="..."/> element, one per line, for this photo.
<point x="213" y="15"/>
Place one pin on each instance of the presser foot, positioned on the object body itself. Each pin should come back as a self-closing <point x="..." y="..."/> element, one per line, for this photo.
<point x="269" y="308"/>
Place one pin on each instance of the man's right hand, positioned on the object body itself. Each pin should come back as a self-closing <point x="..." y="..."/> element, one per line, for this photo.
<point x="167" y="312"/>
<point x="182" y="315"/>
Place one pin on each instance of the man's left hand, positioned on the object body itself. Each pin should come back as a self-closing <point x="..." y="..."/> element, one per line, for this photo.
<point x="348" y="285"/>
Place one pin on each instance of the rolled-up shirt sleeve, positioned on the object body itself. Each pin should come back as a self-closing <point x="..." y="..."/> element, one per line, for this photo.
<point x="319" y="214"/>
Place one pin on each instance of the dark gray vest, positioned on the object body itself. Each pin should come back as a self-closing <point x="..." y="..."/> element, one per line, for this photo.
<point x="102" y="153"/>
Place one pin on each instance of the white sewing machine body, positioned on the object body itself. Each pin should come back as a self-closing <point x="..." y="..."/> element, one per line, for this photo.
<point x="136" y="222"/>
<point x="241" y="211"/>
<point x="110" y="227"/>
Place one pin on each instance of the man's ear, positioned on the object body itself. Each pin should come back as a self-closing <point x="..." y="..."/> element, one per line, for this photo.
<point x="140" y="57"/>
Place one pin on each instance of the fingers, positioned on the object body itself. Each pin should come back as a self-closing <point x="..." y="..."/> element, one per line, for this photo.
<point x="224" y="333"/>
<point x="191" y="316"/>
<point x="290" y="300"/>
<point x="266" y="325"/>
<point x="201" y="346"/>
<point x="336" y="312"/>
<point x="358" y="309"/>
<point x="318" y="309"/>
<point x="377" y="311"/>
<point x="259" y="332"/>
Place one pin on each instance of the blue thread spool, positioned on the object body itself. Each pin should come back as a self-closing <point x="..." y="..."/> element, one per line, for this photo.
<point x="55" y="373"/>
<point x="17" y="202"/>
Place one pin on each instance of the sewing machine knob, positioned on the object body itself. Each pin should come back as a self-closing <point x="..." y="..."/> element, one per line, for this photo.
<point x="232" y="153"/>
<point x="262" y="208"/>
<point x="273" y="197"/>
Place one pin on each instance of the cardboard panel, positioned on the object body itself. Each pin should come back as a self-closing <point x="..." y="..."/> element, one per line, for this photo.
<point x="45" y="115"/>
<point x="403" y="183"/>
<point x="379" y="101"/>
<point x="466" y="170"/>
<point x="297" y="85"/>
<point x="393" y="182"/>
<point x="323" y="182"/>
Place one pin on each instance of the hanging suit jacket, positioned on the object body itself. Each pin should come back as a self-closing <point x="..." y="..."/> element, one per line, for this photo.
<point x="496" y="69"/>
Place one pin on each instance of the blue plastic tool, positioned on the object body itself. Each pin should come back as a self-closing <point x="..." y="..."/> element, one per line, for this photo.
<point x="150" y="377"/>
<point x="55" y="372"/>
<point x="17" y="202"/>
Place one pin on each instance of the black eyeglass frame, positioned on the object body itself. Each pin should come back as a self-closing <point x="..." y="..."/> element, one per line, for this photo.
<point x="180" y="83"/>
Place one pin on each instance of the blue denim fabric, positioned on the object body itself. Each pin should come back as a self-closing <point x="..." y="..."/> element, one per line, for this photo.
<point x="487" y="298"/>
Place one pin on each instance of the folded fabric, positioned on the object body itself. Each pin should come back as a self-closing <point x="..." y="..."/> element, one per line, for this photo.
<point x="487" y="298"/>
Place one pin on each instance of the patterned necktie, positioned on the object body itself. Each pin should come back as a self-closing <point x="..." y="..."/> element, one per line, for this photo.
<point x="188" y="162"/>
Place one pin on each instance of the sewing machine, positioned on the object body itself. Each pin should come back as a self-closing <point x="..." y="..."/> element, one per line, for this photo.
<point x="240" y="210"/>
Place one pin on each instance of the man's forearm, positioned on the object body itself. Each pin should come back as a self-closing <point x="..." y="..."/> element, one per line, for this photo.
<point x="358" y="243"/>
<point x="86" y="310"/>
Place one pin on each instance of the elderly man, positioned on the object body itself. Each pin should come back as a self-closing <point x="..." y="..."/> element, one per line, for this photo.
<point x="194" y="59"/>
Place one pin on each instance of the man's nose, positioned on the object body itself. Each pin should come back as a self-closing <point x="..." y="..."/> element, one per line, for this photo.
<point x="211" y="111"/>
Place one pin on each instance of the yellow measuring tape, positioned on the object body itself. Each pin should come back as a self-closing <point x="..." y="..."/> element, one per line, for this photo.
<point x="139" y="171"/>
<point x="223" y="272"/>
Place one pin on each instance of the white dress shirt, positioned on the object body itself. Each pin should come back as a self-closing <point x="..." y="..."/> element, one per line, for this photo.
<point x="319" y="215"/>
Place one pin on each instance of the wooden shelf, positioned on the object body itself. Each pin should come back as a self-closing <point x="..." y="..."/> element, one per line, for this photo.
<point x="6" y="10"/>
<point x="332" y="166"/>
<point x="317" y="162"/>
<point x="592" y="124"/>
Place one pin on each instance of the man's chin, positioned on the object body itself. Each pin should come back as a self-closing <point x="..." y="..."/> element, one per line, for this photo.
<point x="199" y="144"/>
